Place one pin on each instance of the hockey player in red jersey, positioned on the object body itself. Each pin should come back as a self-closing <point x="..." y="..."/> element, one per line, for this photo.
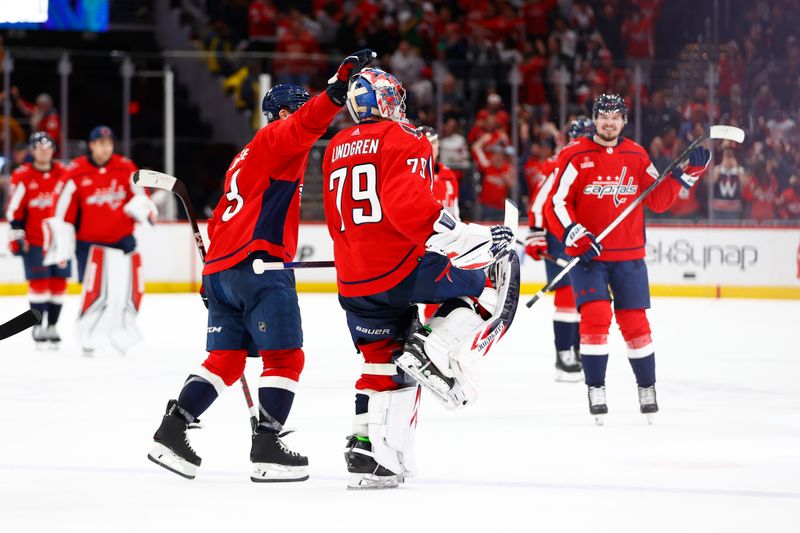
<point x="395" y="246"/>
<point x="540" y="241"/>
<point x="445" y="191"/>
<point x="99" y="202"/>
<point x="33" y="192"/>
<point x="595" y="179"/>
<point x="257" y="218"/>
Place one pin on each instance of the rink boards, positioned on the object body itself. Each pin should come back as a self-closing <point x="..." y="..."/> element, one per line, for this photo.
<point x="706" y="261"/>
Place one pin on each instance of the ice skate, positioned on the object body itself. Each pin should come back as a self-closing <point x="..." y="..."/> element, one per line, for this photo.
<point x="274" y="462"/>
<point x="597" y="403"/>
<point x="365" y="472"/>
<point x="568" y="366"/>
<point x="647" y="402"/>
<point x="52" y="337"/>
<point x="418" y="365"/>
<point x="172" y="449"/>
<point x="39" y="337"/>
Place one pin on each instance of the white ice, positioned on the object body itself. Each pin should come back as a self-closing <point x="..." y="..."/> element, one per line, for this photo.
<point x="722" y="455"/>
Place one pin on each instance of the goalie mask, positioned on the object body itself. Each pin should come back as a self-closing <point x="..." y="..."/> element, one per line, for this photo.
<point x="374" y="93"/>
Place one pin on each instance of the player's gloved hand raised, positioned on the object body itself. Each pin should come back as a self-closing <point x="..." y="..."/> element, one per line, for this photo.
<point x="699" y="158"/>
<point x="535" y="243"/>
<point x="502" y="237"/>
<point x="16" y="242"/>
<point x="352" y="64"/>
<point x="580" y="242"/>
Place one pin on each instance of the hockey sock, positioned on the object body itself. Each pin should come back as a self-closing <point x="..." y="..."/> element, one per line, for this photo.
<point x="635" y="330"/>
<point x="565" y="319"/>
<point x="595" y="321"/>
<point x="196" y="396"/>
<point x="644" y="369"/>
<point x="38" y="295"/>
<point x="276" y="390"/>
<point x="58" y="287"/>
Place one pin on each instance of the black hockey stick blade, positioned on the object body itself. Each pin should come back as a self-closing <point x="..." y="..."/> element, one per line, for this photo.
<point x="151" y="178"/>
<point x="29" y="318"/>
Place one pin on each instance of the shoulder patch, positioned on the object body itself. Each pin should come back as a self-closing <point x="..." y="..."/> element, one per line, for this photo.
<point x="410" y="130"/>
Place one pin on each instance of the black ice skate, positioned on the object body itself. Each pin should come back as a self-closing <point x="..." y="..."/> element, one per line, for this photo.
<point x="568" y="366"/>
<point x="172" y="449"/>
<point x="274" y="462"/>
<point x="52" y="337"/>
<point x="365" y="472"/>
<point x="597" y="403"/>
<point x="418" y="365"/>
<point x="39" y="337"/>
<point x="647" y="402"/>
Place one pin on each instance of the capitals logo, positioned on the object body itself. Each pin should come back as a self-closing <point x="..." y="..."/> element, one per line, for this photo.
<point x="614" y="186"/>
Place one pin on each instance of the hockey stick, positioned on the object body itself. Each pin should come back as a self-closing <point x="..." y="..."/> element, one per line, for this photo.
<point x="165" y="182"/>
<point x="20" y="323"/>
<point x="260" y="266"/>
<point x="719" y="132"/>
<point x="547" y="257"/>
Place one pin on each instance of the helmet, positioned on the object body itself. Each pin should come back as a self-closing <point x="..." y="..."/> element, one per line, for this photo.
<point x="100" y="132"/>
<point x="284" y="96"/>
<point x="374" y="93"/>
<point x="41" y="138"/>
<point x="581" y="127"/>
<point x="610" y="103"/>
<point x="429" y="132"/>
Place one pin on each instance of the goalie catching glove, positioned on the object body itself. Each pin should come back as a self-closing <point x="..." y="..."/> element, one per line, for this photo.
<point x="468" y="246"/>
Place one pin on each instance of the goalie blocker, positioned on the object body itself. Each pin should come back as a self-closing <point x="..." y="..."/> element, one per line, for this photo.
<point x="110" y="299"/>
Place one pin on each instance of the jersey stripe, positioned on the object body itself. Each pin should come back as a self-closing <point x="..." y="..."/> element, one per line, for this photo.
<point x="541" y="198"/>
<point x="559" y="198"/>
<point x="15" y="201"/>
<point x="65" y="199"/>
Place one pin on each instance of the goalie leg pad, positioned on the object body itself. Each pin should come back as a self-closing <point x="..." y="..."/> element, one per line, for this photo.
<point x="392" y="426"/>
<point x="59" y="241"/>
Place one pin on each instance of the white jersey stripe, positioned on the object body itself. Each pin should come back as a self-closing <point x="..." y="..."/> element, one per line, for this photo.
<point x="15" y="201"/>
<point x="640" y="353"/>
<point x="541" y="198"/>
<point x="559" y="197"/>
<point x="64" y="199"/>
<point x="562" y="316"/>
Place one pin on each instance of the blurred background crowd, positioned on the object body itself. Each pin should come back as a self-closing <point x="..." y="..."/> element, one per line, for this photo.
<point x="499" y="79"/>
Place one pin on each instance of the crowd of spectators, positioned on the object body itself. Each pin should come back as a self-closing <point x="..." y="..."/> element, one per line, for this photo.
<point x="566" y="52"/>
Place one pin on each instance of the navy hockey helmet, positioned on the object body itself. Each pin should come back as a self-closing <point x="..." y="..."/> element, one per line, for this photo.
<point x="610" y="103"/>
<point x="283" y="96"/>
<point x="581" y="127"/>
<point x="41" y="138"/>
<point x="101" y="132"/>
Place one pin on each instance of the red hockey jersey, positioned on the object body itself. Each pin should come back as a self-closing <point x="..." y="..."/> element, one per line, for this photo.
<point x="539" y="184"/>
<point x="378" y="204"/>
<point x="261" y="206"/>
<point x="93" y="198"/>
<point x="445" y="187"/>
<point x="33" y="199"/>
<point x="593" y="184"/>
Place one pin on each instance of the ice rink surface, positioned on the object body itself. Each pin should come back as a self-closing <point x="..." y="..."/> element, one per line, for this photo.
<point x="722" y="455"/>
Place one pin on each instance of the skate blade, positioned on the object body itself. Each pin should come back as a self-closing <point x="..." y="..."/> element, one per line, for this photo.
<point x="443" y="393"/>
<point x="649" y="417"/>
<point x="166" y="458"/>
<point x="41" y="346"/>
<point x="275" y="473"/>
<point x="373" y="482"/>
<point x="599" y="419"/>
<point x="569" y="377"/>
<point x="53" y="346"/>
<point x="88" y="352"/>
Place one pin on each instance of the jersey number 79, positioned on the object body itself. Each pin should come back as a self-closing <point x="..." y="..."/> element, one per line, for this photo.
<point x="363" y="188"/>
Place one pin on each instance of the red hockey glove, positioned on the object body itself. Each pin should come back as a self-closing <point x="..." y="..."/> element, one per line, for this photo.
<point x="535" y="243"/>
<point x="352" y="65"/>
<point x="580" y="242"/>
<point x="16" y="242"/>
<point x="699" y="158"/>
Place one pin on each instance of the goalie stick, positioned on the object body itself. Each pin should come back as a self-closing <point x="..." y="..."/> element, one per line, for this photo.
<point x="20" y="323"/>
<point x="718" y="132"/>
<point x="159" y="180"/>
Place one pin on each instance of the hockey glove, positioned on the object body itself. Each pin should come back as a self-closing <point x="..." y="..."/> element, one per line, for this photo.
<point x="352" y="65"/>
<point x="468" y="246"/>
<point x="699" y="158"/>
<point x="16" y="242"/>
<point x="535" y="243"/>
<point x="580" y="242"/>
